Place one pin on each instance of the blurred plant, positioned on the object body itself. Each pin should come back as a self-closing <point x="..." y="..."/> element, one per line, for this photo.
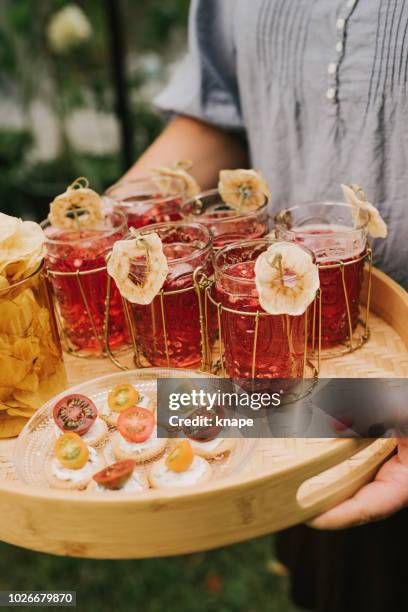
<point x="68" y="28"/>
<point x="52" y="53"/>
<point x="13" y="146"/>
<point x="155" y="22"/>
<point x="57" y="52"/>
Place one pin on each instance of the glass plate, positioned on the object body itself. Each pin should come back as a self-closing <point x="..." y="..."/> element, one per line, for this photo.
<point x="34" y="446"/>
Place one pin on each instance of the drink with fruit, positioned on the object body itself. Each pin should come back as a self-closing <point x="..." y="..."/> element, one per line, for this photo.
<point x="257" y="344"/>
<point x="145" y="204"/>
<point x="76" y="265"/>
<point x="339" y="244"/>
<point x="226" y="224"/>
<point x="168" y="329"/>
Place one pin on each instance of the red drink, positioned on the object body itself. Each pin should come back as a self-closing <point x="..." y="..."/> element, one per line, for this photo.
<point x="226" y="224"/>
<point x="80" y="298"/>
<point x="274" y="350"/>
<point x="143" y="203"/>
<point x="328" y="230"/>
<point x="175" y="316"/>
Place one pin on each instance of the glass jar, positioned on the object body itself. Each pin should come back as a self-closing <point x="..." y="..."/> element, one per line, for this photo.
<point x="256" y="344"/>
<point x="76" y="265"/>
<point x="143" y="203"/>
<point x="168" y="330"/>
<point x="31" y="364"/>
<point x="226" y="225"/>
<point x="339" y="244"/>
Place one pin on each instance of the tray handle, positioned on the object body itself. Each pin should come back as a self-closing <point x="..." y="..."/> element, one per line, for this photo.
<point x="313" y="496"/>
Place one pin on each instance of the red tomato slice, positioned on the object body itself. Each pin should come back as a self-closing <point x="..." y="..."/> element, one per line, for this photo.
<point x="75" y="413"/>
<point x="115" y="476"/>
<point x="136" y="424"/>
<point x="205" y="433"/>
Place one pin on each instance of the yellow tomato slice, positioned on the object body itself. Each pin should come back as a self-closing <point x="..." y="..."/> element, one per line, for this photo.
<point x="123" y="397"/>
<point x="71" y="451"/>
<point x="181" y="457"/>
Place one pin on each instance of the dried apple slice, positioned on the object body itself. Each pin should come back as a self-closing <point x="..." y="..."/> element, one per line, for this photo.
<point x="244" y="190"/>
<point x="164" y="178"/>
<point x="286" y="278"/>
<point x="355" y="196"/>
<point x="144" y="252"/>
<point x="79" y="207"/>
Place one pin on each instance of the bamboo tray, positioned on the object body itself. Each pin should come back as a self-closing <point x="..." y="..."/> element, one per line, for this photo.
<point x="286" y="481"/>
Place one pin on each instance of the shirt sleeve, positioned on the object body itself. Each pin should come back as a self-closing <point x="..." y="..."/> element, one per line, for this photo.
<point x="204" y="84"/>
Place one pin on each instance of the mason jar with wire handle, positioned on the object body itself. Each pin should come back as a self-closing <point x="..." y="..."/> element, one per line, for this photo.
<point x="337" y="236"/>
<point x="144" y="204"/>
<point x="225" y="223"/>
<point x="169" y="332"/>
<point x="253" y="343"/>
<point x="76" y="266"/>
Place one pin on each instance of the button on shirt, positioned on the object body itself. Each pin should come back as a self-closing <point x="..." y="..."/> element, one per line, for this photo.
<point x="318" y="88"/>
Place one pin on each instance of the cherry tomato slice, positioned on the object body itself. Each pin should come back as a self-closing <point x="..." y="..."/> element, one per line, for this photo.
<point x="136" y="424"/>
<point x="123" y="397"/>
<point x="181" y="457"/>
<point x="75" y="413"/>
<point x="115" y="476"/>
<point x="209" y="431"/>
<point x="71" y="451"/>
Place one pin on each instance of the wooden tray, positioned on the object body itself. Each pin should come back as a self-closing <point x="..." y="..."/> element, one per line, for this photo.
<point x="287" y="481"/>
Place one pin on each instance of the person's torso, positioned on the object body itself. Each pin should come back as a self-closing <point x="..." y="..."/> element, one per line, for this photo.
<point x="323" y="95"/>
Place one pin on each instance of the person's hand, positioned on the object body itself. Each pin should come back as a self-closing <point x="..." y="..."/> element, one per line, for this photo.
<point x="386" y="494"/>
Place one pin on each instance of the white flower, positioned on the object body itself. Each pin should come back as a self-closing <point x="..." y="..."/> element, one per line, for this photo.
<point x="168" y="179"/>
<point x="146" y="249"/>
<point x="355" y="196"/>
<point x="68" y="28"/>
<point x="244" y="190"/>
<point x="76" y="198"/>
<point x="286" y="279"/>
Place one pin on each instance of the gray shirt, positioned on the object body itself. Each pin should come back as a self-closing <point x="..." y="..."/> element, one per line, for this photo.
<point x="319" y="88"/>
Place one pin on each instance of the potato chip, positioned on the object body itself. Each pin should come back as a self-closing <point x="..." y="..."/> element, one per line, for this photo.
<point x="15" y="316"/>
<point x="29" y="383"/>
<point x="28" y="399"/>
<point x="4" y="284"/>
<point x="8" y="226"/>
<point x="20" y="412"/>
<point x="12" y="370"/>
<point x="41" y="327"/>
<point x="27" y="349"/>
<point x="24" y="247"/>
<point x="5" y="393"/>
<point x="10" y="427"/>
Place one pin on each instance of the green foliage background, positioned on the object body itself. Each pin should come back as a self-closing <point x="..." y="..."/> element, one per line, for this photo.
<point x="233" y="579"/>
<point x="30" y="71"/>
